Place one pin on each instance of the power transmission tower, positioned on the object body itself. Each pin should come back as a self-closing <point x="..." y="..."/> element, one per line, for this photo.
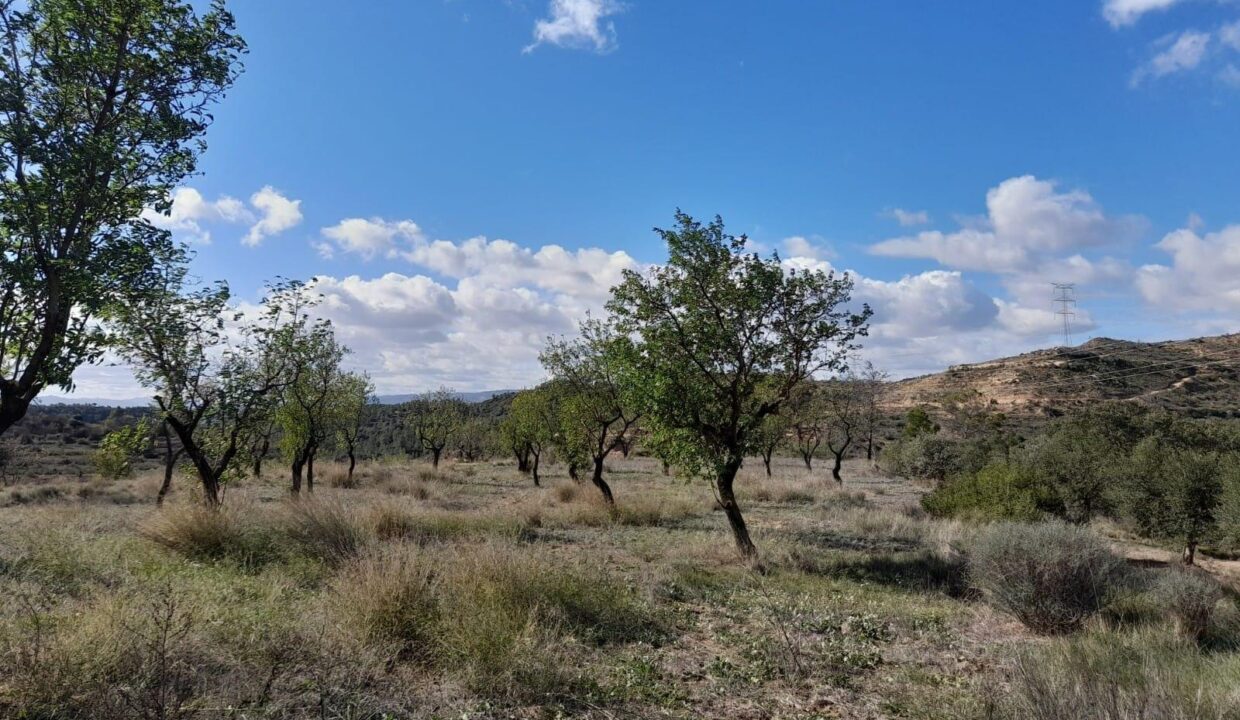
<point x="1065" y="298"/>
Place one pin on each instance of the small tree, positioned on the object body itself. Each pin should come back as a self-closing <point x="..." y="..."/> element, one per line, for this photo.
<point x="105" y="105"/>
<point x="535" y="417"/>
<point x="211" y="393"/>
<point x="1177" y="489"/>
<point x="114" y="458"/>
<point x="844" y="408"/>
<point x="599" y="411"/>
<point x="808" y="419"/>
<point x="434" y="420"/>
<point x="872" y="382"/>
<point x="313" y="356"/>
<point x="725" y="339"/>
<point x="347" y="407"/>
<point x="770" y="436"/>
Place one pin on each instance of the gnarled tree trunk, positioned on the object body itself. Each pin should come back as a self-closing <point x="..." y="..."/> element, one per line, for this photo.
<point x="731" y="509"/>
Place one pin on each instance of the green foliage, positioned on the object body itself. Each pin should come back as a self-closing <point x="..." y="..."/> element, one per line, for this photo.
<point x="996" y="492"/>
<point x="433" y="420"/>
<point x="925" y="457"/>
<point x="917" y="422"/>
<point x="106" y="105"/>
<point x="726" y="338"/>
<point x="114" y="458"/>
<point x="1051" y="577"/>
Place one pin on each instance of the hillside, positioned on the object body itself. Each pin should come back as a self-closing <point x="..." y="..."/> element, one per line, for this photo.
<point x="1199" y="377"/>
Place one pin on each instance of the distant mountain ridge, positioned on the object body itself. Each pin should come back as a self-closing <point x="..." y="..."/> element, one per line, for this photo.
<point x="1199" y="377"/>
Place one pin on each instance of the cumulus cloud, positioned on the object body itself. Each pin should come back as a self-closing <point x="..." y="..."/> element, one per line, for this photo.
<point x="472" y="314"/>
<point x="190" y="210"/>
<point x="1121" y="13"/>
<point x="800" y="246"/>
<point x="1204" y="274"/>
<point x="579" y="24"/>
<point x="269" y="213"/>
<point x="908" y="218"/>
<point x="368" y="237"/>
<point x="276" y="214"/>
<point x="1179" y="53"/>
<point x="1027" y="220"/>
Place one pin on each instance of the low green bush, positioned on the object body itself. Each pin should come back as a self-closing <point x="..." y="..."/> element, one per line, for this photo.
<point x="996" y="492"/>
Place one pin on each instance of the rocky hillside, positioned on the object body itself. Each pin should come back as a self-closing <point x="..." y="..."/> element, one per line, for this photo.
<point x="1200" y="377"/>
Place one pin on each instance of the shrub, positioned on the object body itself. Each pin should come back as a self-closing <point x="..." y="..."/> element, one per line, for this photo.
<point x="996" y="492"/>
<point x="1190" y="598"/>
<point x="925" y="457"/>
<point x="1051" y="577"/>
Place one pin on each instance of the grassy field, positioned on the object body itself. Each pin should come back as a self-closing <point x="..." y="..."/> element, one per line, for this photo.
<point x="469" y="593"/>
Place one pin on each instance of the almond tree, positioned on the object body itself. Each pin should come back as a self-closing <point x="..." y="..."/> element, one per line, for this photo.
<point x="724" y="337"/>
<point x="212" y="391"/>
<point x="305" y="415"/>
<point x="103" y="108"/>
<point x="598" y="410"/>
<point x="434" y="420"/>
<point x="350" y="398"/>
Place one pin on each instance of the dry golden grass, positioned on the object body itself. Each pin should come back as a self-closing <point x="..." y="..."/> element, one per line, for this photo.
<point x="469" y="592"/>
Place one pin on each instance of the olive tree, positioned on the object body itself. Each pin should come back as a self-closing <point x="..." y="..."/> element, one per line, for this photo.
<point x="843" y="403"/>
<point x="103" y="108"/>
<point x="598" y="411"/>
<point x="724" y="339"/>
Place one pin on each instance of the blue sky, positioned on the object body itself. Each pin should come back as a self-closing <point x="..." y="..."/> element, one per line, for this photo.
<point x="957" y="157"/>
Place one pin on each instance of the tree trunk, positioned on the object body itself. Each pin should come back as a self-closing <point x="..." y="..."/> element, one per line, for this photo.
<point x="1190" y="553"/>
<point x="435" y="457"/>
<point x="12" y="409"/>
<point x="352" y="464"/>
<point x="534" y="468"/>
<point x="869" y="448"/>
<point x="206" y="474"/>
<point x="808" y="458"/>
<point x="736" y="521"/>
<point x="260" y="455"/>
<point x="298" y="464"/>
<point x="766" y="461"/>
<point x="572" y="473"/>
<point x="170" y="464"/>
<point x="835" y="469"/>
<point x="667" y="468"/>
<point x="310" y="470"/>
<point x="601" y="484"/>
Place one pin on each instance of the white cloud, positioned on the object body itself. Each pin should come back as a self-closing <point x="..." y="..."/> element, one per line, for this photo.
<point x="368" y="238"/>
<point x="800" y="246"/>
<point x="1179" y="54"/>
<point x="476" y="320"/>
<point x="1204" y="274"/>
<point x="276" y="214"/>
<point x="1229" y="35"/>
<point x="1127" y="12"/>
<point x="269" y="213"/>
<point x="1027" y="220"/>
<point x="580" y="24"/>
<point x="190" y="210"/>
<point x="1230" y="76"/>
<point x="908" y="218"/>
